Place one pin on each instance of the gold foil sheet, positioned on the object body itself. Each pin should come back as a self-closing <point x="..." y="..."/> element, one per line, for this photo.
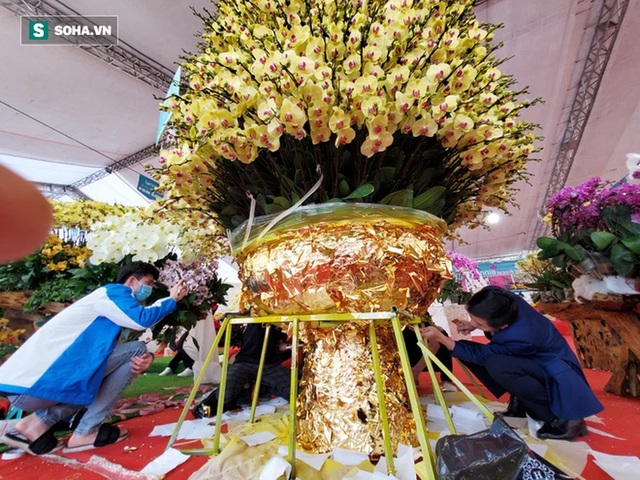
<point x="345" y="267"/>
<point x="337" y="399"/>
<point x="365" y="264"/>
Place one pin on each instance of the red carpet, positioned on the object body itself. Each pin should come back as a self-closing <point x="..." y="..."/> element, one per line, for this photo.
<point x="620" y="416"/>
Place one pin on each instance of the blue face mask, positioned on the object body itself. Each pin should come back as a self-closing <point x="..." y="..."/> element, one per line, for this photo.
<point x="143" y="293"/>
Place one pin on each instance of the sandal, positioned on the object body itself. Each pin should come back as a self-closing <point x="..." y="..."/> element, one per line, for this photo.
<point x="107" y="434"/>
<point x="45" y="443"/>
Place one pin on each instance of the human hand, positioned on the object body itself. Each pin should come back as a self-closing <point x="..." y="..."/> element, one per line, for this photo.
<point x="141" y="363"/>
<point x="464" y="327"/>
<point x="179" y="291"/>
<point x="431" y="333"/>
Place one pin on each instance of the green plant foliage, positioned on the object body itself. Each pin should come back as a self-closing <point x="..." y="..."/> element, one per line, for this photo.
<point x="586" y="251"/>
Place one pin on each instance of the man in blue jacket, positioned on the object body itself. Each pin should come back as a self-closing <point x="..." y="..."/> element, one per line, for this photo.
<point x="74" y="360"/>
<point x="528" y="358"/>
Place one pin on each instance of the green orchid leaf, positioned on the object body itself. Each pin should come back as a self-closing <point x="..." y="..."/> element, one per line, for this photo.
<point x="274" y="208"/>
<point x="436" y="207"/>
<point x="545" y="242"/>
<point x="361" y="192"/>
<point x="549" y="247"/>
<point x="602" y="240"/>
<point x="228" y="210"/>
<point x="622" y="259"/>
<point x="426" y="199"/>
<point x="282" y="201"/>
<point x="632" y="244"/>
<point x="343" y="188"/>
<point x="401" y="198"/>
<point x="575" y="252"/>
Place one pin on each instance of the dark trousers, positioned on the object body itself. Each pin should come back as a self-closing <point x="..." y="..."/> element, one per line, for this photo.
<point x="181" y="356"/>
<point x="521" y="377"/>
<point x="276" y="380"/>
<point x="415" y="354"/>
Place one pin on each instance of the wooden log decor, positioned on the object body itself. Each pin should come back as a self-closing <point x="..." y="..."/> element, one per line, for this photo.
<point x="16" y="300"/>
<point x="604" y="340"/>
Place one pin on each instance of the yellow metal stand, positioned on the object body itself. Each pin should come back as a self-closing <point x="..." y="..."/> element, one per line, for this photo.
<point x="374" y="318"/>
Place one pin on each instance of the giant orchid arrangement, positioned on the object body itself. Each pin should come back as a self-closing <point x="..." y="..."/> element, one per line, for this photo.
<point x="595" y="227"/>
<point x="384" y="101"/>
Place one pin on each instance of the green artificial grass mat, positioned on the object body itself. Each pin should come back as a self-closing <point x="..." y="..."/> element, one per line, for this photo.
<point x="151" y="382"/>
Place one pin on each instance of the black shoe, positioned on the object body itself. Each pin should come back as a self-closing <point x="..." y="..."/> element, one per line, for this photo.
<point x="515" y="408"/>
<point x="562" y="430"/>
<point x="201" y="411"/>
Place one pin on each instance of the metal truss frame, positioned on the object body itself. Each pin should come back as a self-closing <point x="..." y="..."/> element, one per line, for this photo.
<point x="50" y="190"/>
<point x="604" y="36"/>
<point x="123" y="56"/>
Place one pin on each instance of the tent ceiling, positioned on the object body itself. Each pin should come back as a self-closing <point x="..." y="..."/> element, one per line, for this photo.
<point x="66" y="114"/>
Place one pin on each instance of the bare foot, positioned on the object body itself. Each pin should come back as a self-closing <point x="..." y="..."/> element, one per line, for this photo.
<point x="77" y="440"/>
<point x="30" y="427"/>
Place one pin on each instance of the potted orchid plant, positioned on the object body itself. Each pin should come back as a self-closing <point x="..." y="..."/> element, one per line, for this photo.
<point x="466" y="280"/>
<point x="595" y="228"/>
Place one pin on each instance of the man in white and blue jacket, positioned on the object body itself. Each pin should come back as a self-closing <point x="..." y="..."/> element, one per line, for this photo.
<point x="74" y="360"/>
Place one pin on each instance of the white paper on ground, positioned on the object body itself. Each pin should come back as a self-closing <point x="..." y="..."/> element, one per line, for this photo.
<point x="314" y="460"/>
<point x="572" y="456"/>
<point x="603" y="433"/>
<point x="539" y="448"/>
<point x="275" y="467"/>
<point x="467" y="420"/>
<point x="276" y="402"/>
<point x="246" y="412"/>
<point x="348" y="457"/>
<point x="434" y="412"/>
<point x="534" y="426"/>
<point x="619" y="467"/>
<point x="189" y="430"/>
<point x="258" y="438"/>
<point x="166" y="462"/>
<point x="404" y="464"/>
<point x="362" y="475"/>
<point x="595" y="419"/>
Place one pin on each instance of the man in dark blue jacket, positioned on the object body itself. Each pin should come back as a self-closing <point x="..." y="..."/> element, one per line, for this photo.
<point x="528" y="358"/>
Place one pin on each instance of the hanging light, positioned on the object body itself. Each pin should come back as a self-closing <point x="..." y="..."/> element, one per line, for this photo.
<point x="492" y="218"/>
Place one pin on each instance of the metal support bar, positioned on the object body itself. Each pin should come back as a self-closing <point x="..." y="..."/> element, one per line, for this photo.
<point x="56" y="191"/>
<point x="382" y="407"/>
<point x="256" y="387"/>
<point x="418" y="415"/>
<point x="293" y="397"/>
<point x="329" y="319"/>
<point x="126" y="162"/>
<point x="196" y="384"/>
<point x="437" y="390"/>
<point x="221" y="388"/>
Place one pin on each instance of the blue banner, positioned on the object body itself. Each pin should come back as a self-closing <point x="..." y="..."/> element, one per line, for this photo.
<point x="491" y="269"/>
<point x="147" y="186"/>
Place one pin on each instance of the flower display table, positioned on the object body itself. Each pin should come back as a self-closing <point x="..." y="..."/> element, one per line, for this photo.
<point x="605" y="340"/>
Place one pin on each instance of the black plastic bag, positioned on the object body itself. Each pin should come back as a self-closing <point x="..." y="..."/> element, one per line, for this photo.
<point x="497" y="453"/>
